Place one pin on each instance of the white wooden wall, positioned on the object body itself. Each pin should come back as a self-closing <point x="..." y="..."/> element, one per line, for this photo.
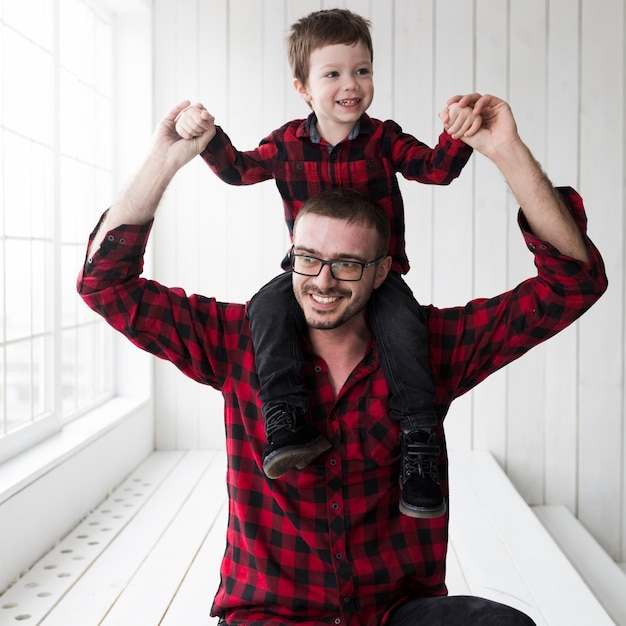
<point x="554" y="419"/>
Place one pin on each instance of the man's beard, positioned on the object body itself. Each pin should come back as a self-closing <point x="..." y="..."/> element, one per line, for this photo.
<point x="321" y="322"/>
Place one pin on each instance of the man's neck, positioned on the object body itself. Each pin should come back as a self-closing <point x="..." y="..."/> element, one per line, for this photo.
<point x="341" y="348"/>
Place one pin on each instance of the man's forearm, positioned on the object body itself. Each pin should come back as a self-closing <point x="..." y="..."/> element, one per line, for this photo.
<point x="139" y="200"/>
<point x="543" y="207"/>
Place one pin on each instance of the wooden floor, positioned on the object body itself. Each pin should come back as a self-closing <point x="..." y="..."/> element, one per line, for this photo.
<point x="149" y="554"/>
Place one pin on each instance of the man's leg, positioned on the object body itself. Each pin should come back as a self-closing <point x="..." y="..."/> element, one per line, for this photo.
<point x="457" y="611"/>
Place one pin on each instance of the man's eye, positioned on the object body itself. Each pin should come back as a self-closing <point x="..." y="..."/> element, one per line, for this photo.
<point x="308" y="260"/>
<point x="346" y="265"/>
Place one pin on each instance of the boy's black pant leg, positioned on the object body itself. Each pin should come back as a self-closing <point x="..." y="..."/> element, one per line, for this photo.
<point x="398" y="323"/>
<point x="277" y="323"/>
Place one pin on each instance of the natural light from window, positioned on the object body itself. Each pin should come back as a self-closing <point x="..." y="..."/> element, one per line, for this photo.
<point x="56" y="154"/>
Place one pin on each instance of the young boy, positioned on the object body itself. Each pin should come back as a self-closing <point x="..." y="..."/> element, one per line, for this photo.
<point x="339" y="145"/>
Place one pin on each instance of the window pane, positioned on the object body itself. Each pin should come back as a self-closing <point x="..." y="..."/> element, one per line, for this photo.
<point x="18" y="288"/>
<point x="56" y="172"/>
<point x="18" y="384"/>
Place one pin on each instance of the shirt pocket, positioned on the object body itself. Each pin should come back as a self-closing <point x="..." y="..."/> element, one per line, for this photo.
<point x="379" y="433"/>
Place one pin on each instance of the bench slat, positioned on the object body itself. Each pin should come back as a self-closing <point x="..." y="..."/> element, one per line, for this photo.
<point x="505" y="552"/>
<point x="92" y="597"/>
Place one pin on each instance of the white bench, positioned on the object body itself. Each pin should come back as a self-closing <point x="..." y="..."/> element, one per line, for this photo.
<point x="506" y="554"/>
<point x="603" y="576"/>
<point x="149" y="554"/>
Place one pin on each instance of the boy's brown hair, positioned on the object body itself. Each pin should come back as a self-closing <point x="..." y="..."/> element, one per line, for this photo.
<point x="324" y="28"/>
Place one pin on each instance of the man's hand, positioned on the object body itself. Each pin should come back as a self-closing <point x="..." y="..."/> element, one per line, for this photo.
<point x="498" y="131"/>
<point x="498" y="140"/>
<point x="138" y="201"/>
<point x="171" y="145"/>
<point x="193" y="121"/>
<point x="460" y="121"/>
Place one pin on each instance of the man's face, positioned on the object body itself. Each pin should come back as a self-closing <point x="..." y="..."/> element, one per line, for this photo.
<point x="329" y="303"/>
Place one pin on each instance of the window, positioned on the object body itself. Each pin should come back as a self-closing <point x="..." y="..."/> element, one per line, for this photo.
<point x="56" y="176"/>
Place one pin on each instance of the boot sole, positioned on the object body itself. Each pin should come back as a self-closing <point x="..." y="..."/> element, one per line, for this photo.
<point x="421" y="512"/>
<point x="279" y="462"/>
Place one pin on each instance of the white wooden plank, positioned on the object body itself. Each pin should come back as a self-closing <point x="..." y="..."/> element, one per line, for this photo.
<point x="526" y="378"/>
<point x="455" y="579"/>
<point x="46" y="582"/>
<point x="486" y="563"/>
<point x="412" y="106"/>
<point x="453" y="213"/>
<point x="97" y="590"/>
<point x="194" y="598"/>
<point x="495" y="521"/>
<point x="492" y="216"/>
<point x="601" y="358"/>
<point x="604" y="577"/>
<point x="146" y="597"/>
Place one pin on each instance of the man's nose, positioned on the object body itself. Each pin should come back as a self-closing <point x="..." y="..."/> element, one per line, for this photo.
<point x="325" y="277"/>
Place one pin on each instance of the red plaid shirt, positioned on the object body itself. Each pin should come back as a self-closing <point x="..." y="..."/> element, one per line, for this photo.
<point x="303" y="165"/>
<point x="327" y="545"/>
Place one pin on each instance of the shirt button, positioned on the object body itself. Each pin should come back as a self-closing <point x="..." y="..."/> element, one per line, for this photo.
<point x="337" y="620"/>
<point x="531" y="246"/>
<point x="111" y="238"/>
<point x="318" y="369"/>
<point x="346" y="600"/>
<point x="334" y="506"/>
<point x="339" y="556"/>
<point x="333" y="461"/>
<point x="122" y="240"/>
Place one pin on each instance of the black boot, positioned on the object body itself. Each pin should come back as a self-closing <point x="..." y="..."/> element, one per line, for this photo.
<point x="291" y="442"/>
<point x="421" y="494"/>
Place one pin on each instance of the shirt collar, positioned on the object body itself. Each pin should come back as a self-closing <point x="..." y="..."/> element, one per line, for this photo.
<point x="315" y="137"/>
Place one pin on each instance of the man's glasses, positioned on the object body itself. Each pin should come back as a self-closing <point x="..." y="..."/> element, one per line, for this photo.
<point x="308" y="265"/>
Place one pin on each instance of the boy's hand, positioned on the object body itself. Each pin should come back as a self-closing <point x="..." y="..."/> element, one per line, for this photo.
<point x="194" y="121"/>
<point x="460" y="121"/>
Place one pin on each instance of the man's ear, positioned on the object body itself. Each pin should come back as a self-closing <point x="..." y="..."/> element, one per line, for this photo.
<point x="382" y="270"/>
<point x="302" y="90"/>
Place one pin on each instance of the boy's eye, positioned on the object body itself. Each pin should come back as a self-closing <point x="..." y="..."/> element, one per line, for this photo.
<point x="363" y="72"/>
<point x="332" y="74"/>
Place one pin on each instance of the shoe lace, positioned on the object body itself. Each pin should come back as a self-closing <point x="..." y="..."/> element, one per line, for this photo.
<point x="277" y="418"/>
<point x="420" y="458"/>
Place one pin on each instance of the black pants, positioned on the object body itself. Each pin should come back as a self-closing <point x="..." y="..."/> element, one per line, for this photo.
<point x="397" y="322"/>
<point x="454" y="611"/>
<point x="458" y="611"/>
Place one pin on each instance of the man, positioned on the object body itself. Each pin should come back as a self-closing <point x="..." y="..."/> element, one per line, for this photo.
<point x="327" y="544"/>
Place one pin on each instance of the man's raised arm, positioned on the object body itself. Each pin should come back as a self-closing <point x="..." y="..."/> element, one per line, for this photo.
<point x="544" y="209"/>
<point x="139" y="200"/>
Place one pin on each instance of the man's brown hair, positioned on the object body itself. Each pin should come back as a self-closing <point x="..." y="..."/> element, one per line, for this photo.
<point x="352" y="207"/>
<point x="324" y="28"/>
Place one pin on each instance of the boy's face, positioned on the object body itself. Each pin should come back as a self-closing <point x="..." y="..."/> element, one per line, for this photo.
<point x="340" y="86"/>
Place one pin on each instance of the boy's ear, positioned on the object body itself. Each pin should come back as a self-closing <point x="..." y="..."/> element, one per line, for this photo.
<point x="302" y="90"/>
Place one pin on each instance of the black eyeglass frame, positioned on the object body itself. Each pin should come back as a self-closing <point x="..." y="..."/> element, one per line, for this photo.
<point x="330" y="264"/>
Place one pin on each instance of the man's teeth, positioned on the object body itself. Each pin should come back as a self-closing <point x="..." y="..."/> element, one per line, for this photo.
<point x="324" y="299"/>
